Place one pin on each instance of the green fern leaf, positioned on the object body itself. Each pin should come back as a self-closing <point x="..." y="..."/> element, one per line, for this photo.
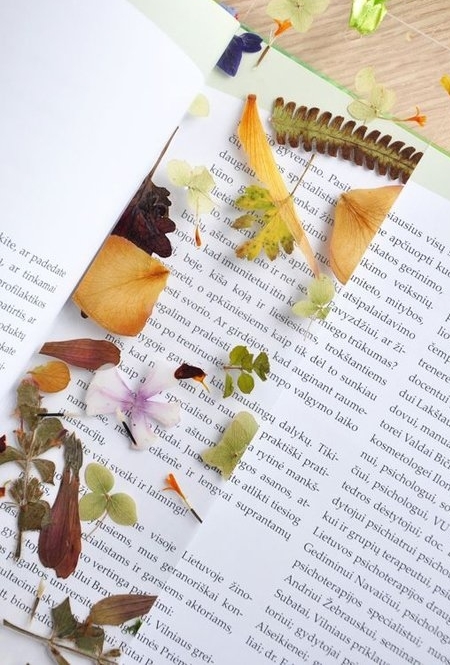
<point x="333" y="136"/>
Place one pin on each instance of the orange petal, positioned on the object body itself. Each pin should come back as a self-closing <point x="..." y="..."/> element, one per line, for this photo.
<point x="121" y="286"/>
<point x="51" y="377"/>
<point x="253" y="138"/>
<point x="358" y="216"/>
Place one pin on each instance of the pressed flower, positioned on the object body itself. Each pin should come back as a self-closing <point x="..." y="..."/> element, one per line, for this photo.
<point x="375" y="99"/>
<point x="231" y="58"/>
<point x="418" y="117"/>
<point x="172" y="484"/>
<point x="300" y="14"/>
<point x="282" y="26"/>
<point x="109" y="391"/>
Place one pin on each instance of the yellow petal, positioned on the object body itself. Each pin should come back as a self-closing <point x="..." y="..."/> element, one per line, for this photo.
<point x="358" y="216"/>
<point x="51" y="377"/>
<point x="121" y="286"/>
<point x="445" y="82"/>
<point x="253" y="138"/>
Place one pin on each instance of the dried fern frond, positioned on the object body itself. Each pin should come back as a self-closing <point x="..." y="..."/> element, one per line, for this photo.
<point x="331" y="135"/>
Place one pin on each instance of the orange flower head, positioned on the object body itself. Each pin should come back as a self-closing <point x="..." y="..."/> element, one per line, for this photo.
<point x="173" y="485"/>
<point x="282" y="26"/>
<point x="420" y="119"/>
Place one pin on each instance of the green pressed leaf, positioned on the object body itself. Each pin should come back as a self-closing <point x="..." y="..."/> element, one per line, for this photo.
<point x="10" y="454"/>
<point x="49" y="433"/>
<point x="227" y="453"/>
<point x="245" y="382"/>
<point x="321" y="290"/>
<point x="261" y="365"/>
<point x="33" y="516"/>
<point x="238" y="354"/>
<point x="92" y="506"/>
<point x="118" y="609"/>
<point x="64" y="623"/>
<point x="229" y="386"/>
<point x="90" y="638"/>
<point x="28" y="402"/>
<point x="122" y="509"/>
<point x="46" y="470"/>
<point x="323" y="313"/>
<point x="334" y="136"/>
<point x="98" y="478"/>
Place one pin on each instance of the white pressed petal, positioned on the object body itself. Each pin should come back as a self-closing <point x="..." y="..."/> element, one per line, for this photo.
<point x="160" y="377"/>
<point x="164" y="413"/>
<point x="107" y="392"/>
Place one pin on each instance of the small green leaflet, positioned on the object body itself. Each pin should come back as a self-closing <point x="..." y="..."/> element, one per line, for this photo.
<point x="366" y="15"/>
<point x="226" y="454"/>
<point x="120" y="507"/>
<point x="241" y="359"/>
<point x="320" y="293"/>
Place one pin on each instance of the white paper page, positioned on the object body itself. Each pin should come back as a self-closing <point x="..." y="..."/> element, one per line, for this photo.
<point x="333" y="547"/>
<point x="86" y="108"/>
<point x="213" y="302"/>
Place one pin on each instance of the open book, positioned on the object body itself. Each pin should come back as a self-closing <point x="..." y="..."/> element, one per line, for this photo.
<point x="328" y="544"/>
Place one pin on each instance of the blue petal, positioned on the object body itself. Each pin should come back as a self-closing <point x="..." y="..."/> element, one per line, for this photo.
<point x="230" y="59"/>
<point x="251" y="43"/>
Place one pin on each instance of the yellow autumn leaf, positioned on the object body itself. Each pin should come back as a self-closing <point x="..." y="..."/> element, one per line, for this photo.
<point x="121" y="286"/>
<point x="52" y="376"/>
<point x="358" y="216"/>
<point x="253" y="138"/>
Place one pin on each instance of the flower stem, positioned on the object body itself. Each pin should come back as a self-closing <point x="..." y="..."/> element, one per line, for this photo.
<point x="50" y="642"/>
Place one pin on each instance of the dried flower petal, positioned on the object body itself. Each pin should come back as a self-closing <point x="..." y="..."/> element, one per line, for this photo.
<point x="86" y="353"/>
<point x="121" y="287"/>
<point x="358" y="216"/>
<point x="119" y="608"/>
<point x="253" y="138"/>
<point x="51" y="377"/>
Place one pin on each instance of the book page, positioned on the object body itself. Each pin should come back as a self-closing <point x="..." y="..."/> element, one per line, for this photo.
<point x="322" y="379"/>
<point x="80" y="129"/>
<point x="332" y="547"/>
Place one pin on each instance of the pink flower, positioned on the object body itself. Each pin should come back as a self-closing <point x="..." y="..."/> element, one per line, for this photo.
<point x="109" y="392"/>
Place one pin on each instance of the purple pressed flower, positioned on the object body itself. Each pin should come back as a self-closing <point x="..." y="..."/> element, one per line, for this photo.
<point x="230" y="59"/>
<point x="108" y="393"/>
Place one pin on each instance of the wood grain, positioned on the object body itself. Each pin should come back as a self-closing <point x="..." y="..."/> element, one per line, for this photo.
<point x="410" y="52"/>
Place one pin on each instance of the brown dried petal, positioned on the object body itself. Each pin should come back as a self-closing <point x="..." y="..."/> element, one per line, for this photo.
<point x="119" y="608"/>
<point x="83" y="352"/>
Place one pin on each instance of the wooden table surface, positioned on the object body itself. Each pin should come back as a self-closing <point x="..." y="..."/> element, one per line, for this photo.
<point x="410" y="52"/>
